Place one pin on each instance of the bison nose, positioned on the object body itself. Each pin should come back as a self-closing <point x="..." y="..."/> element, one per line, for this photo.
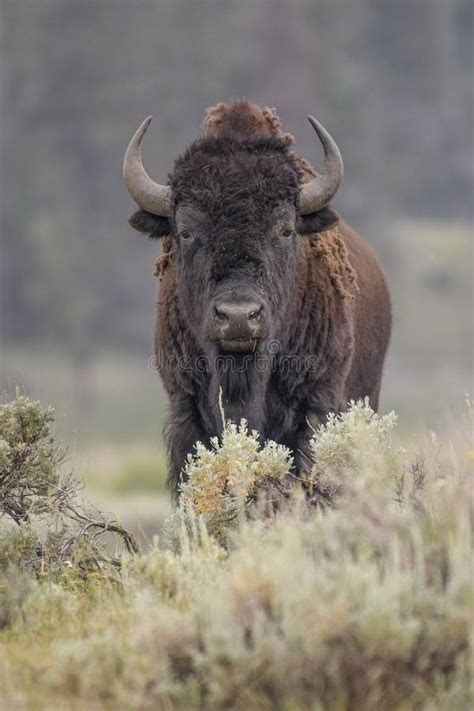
<point x="239" y="321"/>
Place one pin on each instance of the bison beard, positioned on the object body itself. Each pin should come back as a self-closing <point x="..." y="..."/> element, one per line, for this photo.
<point x="285" y="315"/>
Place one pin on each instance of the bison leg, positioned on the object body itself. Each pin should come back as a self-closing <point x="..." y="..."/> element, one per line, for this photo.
<point x="182" y="432"/>
<point x="328" y="397"/>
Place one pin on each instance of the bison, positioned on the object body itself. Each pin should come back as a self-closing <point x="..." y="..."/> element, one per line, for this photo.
<point x="270" y="307"/>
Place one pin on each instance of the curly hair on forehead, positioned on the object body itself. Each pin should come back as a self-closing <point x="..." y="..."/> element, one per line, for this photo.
<point x="244" y="118"/>
<point x="249" y="119"/>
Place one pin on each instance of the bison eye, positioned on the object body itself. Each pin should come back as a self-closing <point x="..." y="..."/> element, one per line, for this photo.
<point x="184" y="234"/>
<point x="288" y="232"/>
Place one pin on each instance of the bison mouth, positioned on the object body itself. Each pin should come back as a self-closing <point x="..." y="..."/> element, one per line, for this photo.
<point x="238" y="345"/>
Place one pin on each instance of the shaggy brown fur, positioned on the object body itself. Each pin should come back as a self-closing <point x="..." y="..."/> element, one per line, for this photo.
<point x="244" y="118"/>
<point x="323" y="292"/>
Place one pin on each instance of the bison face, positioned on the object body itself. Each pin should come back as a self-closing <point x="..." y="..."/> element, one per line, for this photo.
<point x="235" y="271"/>
<point x="234" y="225"/>
<point x="234" y="207"/>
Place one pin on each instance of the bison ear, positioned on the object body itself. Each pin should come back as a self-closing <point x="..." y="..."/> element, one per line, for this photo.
<point x="317" y="221"/>
<point x="152" y="225"/>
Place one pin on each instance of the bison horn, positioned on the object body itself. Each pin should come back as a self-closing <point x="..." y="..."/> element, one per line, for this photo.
<point x="151" y="196"/>
<point x="323" y="187"/>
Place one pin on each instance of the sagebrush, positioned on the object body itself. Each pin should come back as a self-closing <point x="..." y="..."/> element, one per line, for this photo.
<point x="362" y="603"/>
<point x="46" y="523"/>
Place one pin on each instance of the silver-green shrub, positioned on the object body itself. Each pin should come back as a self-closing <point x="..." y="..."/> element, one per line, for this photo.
<point x="45" y="521"/>
<point x="362" y="604"/>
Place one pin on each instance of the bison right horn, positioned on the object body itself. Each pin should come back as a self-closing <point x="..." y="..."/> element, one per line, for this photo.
<point x="316" y="194"/>
<point x="151" y="196"/>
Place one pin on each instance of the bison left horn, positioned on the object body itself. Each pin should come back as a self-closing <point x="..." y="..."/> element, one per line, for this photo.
<point x="151" y="196"/>
<point x="316" y="194"/>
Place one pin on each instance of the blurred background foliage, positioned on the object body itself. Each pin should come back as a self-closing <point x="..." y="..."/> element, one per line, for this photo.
<point x="391" y="79"/>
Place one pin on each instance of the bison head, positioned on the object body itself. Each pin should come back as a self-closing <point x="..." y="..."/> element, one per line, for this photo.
<point x="234" y="207"/>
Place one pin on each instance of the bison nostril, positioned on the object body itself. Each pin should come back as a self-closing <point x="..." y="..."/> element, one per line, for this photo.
<point x="255" y="315"/>
<point x="220" y="315"/>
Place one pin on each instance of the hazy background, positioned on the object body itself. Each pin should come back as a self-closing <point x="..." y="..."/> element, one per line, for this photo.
<point x="392" y="81"/>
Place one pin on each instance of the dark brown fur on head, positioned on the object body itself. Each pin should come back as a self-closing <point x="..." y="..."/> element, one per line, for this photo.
<point x="245" y="119"/>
